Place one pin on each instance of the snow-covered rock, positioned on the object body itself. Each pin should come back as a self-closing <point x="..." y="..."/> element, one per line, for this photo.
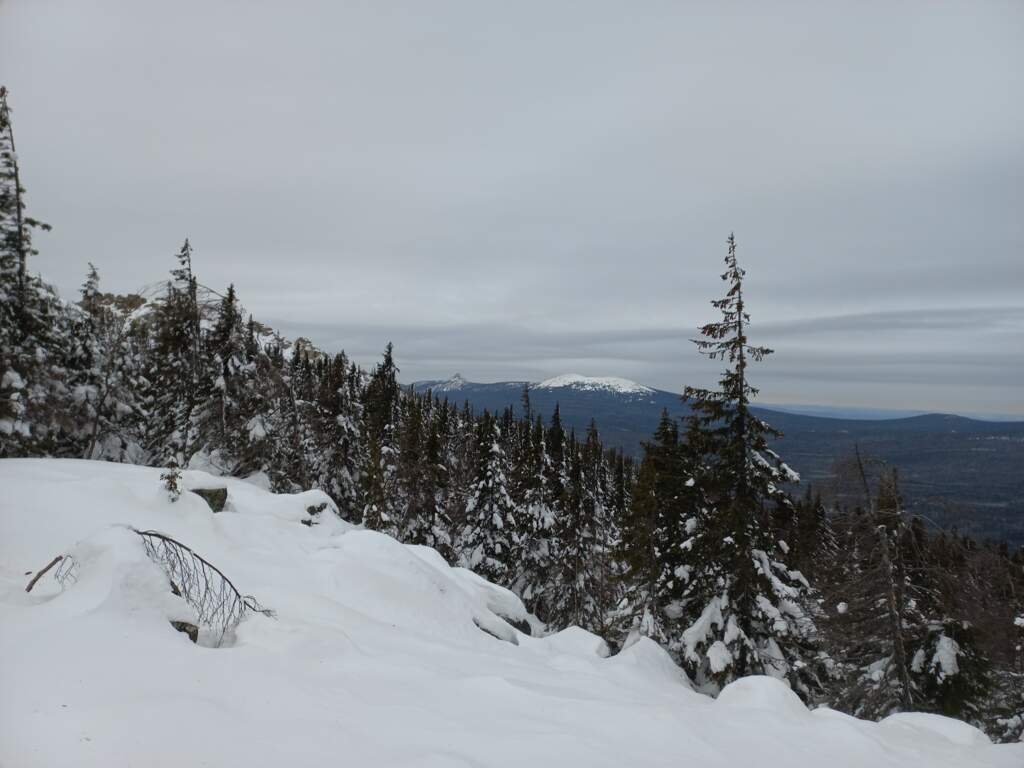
<point x="763" y="693"/>
<point x="918" y="724"/>
<point x="377" y="657"/>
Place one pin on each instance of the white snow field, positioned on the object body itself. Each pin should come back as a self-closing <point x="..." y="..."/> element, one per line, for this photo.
<point x="375" y="657"/>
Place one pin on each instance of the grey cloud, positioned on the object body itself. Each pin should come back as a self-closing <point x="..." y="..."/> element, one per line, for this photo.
<point x="933" y="356"/>
<point x="950" y="319"/>
<point x="519" y="190"/>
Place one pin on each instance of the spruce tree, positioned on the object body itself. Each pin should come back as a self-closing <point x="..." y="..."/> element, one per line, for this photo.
<point x="435" y="529"/>
<point x="536" y="567"/>
<point x="33" y="334"/>
<point x="263" y="390"/>
<point x="335" y="460"/>
<point x="489" y="543"/>
<point x="746" y="611"/>
<point x="176" y="371"/>
<point x="108" y="380"/>
<point x="653" y="533"/>
<point x="417" y="494"/>
<point x="895" y="615"/>
<point x="220" y="414"/>
<point x="583" y="537"/>
<point x="379" y="465"/>
<point x="460" y="460"/>
<point x="555" y="467"/>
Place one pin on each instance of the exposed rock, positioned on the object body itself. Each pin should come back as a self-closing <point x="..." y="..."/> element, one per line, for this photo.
<point x="189" y="629"/>
<point x="510" y="638"/>
<point x="314" y="512"/>
<point x="215" y="497"/>
<point x="521" y="624"/>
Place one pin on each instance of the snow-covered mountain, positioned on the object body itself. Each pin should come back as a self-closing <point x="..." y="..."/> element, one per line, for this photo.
<point x="378" y="654"/>
<point x="568" y="382"/>
<point x="594" y="384"/>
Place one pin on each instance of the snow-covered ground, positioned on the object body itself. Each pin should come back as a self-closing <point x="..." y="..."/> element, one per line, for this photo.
<point x="375" y="657"/>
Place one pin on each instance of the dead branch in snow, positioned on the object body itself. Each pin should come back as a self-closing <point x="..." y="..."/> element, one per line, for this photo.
<point x="217" y="602"/>
<point x="41" y="573"/>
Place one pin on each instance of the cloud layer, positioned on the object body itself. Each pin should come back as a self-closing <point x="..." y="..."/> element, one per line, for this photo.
<point x="519" y="190"/>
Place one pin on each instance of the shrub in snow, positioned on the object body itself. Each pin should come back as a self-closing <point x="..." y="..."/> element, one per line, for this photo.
<point x="172" y="480"/>
<point x="951" y="674"/>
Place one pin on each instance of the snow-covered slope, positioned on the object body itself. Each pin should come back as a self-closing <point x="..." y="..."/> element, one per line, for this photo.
<point x="376" y="656"/>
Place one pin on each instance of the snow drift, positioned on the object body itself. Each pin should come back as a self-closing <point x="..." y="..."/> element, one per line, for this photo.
<point x="379" y="654"/>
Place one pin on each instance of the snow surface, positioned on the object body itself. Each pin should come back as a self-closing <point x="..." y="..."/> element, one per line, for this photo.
<point x="381" y="655"/>
<point x="594" y="383"/>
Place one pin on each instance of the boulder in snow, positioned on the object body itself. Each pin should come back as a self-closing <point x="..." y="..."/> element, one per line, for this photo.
<point x="216" y="498"/>
<point x="187" y="628"/>
<point x="762" y="692"/>
<point x="927" y="726"/>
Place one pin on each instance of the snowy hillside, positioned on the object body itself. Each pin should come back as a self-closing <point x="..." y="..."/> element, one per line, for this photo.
<point x="379" y="654"/>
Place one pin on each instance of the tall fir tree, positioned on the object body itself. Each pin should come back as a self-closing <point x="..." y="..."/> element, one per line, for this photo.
<point x="33" y="395"/>
<point x="747" y="612"/>
<point x="489" y="540"/>
<point x="335" y="462"/>
<point x="653" y="533"/>
<point x="176" y="373"/>
<point x="584" y="536"/>
<point x="380" y="461"/>
<point x="109" y="377"/>
<point x="536" y="568"/>
<point x="220" y="429"/>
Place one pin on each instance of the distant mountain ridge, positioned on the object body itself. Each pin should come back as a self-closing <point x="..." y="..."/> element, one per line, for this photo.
<point x="565" y="381"/>
<point x="956" y="470"/>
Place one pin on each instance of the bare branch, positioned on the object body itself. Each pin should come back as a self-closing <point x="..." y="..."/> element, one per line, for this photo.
<point x="39" y="575"/>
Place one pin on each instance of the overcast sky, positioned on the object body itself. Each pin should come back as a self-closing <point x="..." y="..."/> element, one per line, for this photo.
<point x="516" y="190"/>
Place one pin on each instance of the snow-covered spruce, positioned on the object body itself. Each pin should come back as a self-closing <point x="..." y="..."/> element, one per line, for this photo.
<point x="745" y="611"/>
<point x="489" y="540"/>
